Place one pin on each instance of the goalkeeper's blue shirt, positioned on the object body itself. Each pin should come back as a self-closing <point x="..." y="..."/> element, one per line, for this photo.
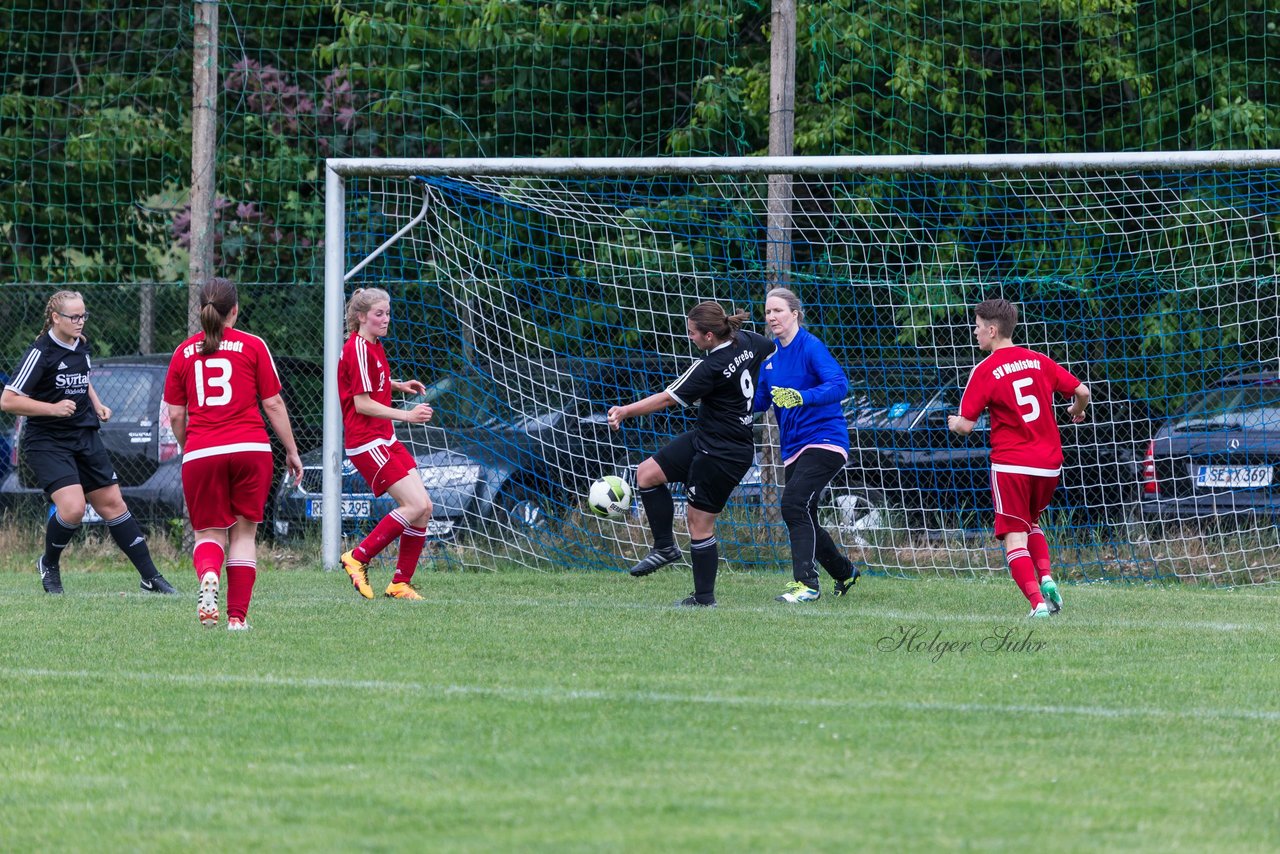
<point x="807" y="366"/>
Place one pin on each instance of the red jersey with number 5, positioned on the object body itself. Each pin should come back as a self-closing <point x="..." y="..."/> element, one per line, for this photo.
<point x="363" y="369"/>
<point x="1017" y="385"/>
<point x="222" y="391"/>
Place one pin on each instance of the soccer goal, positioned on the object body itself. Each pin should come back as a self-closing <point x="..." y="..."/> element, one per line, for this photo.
<point x="531" y="295"/>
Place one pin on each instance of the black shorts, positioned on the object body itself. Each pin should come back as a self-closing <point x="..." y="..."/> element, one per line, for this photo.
<point x="57" y="461"/>
<point x="708" y="480"/>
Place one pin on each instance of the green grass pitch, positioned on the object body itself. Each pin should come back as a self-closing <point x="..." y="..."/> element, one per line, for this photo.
<point x="577" y="712"/>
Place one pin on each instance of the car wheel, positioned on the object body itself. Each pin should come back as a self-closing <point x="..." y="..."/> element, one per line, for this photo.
<point x="519" y="510"/>
<point x="1138" y="529"/>
<point x="528" y="513"/>
<point x="861" y="515"/>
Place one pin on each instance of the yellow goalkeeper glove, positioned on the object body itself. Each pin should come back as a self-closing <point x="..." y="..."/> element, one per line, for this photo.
<point x="785" y="398"/>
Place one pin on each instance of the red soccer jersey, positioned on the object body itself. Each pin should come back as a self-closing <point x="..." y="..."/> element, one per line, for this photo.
<point x="221" y="392"/>
<point x="363" y="369"/>
<point x="1017" y="386"/>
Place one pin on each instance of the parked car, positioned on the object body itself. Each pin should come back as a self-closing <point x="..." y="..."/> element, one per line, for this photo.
<point x="904" y="459"/>
<point x="140" y="440"/>
<point x="508" y="446"/>
<point x="1218" y="457"/>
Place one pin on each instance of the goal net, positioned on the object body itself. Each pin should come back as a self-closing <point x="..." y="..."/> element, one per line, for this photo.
<point x="530" y="296"/>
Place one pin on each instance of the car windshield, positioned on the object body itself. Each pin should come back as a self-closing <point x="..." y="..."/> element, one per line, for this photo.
<point x="526" y="403"/>
<point x="533" y="397"/>
<point x="883" y="397"/>
<point x="1239" y="408"/>
<point x="130" y="390"/>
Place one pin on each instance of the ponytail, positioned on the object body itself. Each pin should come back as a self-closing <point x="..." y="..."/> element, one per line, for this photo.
<point x="710" y="317"/>
<point x="217" y="298"/>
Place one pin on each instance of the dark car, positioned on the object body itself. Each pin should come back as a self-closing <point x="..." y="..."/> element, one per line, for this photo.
<point x="508" y="446"/>
<point x="1218" y="457"/>
<point x="903" y="460"/>
<point x="143" y="448"/>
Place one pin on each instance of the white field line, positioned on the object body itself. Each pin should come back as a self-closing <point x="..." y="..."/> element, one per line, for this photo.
<point x="853" y="610"/>
<point x="569" y="695"/>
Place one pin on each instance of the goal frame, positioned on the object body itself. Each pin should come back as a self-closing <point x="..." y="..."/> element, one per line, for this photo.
<point x="337" y="170"/>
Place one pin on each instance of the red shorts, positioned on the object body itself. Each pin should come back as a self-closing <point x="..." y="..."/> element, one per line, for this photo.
<point x="383" y="465"/>
<point x="221" y="487"/>
<point x="1020" y="499"/>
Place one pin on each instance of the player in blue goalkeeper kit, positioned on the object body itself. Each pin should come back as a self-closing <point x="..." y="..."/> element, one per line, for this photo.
<point x="805" y="385"/>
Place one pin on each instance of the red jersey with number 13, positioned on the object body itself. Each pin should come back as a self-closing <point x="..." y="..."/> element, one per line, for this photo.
<point x="221" y="392"/>
<point x="363" y="369"/>
<point x="1017" y="386"/>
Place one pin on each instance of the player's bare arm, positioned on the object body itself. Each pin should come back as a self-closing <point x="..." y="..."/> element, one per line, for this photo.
<point x="178" y="423"/>
<point x="408" y="386"/>
<point x="278" y="415"/>
<point x="1078" y="406"/>
<point x="960" y="425"/>
<point x="650" y="404"/>
<point x="366" y="405"/>
<point x="19" y="404"/>
<point x="103" y="411"/>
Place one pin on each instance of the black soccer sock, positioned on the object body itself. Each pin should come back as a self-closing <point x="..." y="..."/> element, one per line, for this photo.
<point x="661" y="512"/>
<point x="128" y="536"/>
<point x="704" y="556"/>
<point x="57" y="536"/>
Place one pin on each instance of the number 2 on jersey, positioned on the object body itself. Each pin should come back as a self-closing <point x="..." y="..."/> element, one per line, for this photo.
<point x="1026" y="400"/>
<point x="221" y="382"/>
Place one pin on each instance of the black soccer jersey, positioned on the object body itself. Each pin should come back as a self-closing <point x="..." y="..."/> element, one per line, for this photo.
<point x="724" y="380"/>
<point x="50" y="372"/>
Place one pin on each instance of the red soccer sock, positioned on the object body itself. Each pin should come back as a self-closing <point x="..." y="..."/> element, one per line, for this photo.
<point x="207" y="557"/>
<point x="241" y="574"/>
<point x="1038" y="546"/>
<point x="1024" y="575"/>
<point x="390" y="528"/>
<point x="411" y="543"/>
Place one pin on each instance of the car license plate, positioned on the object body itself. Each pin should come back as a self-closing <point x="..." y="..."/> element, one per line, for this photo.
<point x="352" y="508"/>
<point x="439" y="527"/>
<point x="1234" y="477"/>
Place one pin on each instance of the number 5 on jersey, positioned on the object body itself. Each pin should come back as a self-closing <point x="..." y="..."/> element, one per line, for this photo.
<point x="1026" y="400"/>
<point x="206" y="383"/>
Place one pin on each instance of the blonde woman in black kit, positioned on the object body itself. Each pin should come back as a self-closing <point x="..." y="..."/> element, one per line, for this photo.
<point x="60" y="442"/>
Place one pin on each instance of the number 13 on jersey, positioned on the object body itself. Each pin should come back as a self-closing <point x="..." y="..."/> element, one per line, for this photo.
<point x="213" y="375"/>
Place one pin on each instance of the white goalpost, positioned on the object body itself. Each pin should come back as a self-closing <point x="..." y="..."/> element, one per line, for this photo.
<point x="532" y="294"/>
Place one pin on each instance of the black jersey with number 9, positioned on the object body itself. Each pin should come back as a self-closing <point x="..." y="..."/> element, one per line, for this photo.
<point x="724" y="381"/>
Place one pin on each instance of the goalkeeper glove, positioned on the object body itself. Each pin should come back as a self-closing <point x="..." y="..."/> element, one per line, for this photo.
<point x="785" y="398"/>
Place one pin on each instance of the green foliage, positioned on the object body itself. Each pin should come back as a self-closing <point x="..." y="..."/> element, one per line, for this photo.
<point x="94" y="111"/>
<point x="95" y="122"/>
<point x="509" y="78"/>
<point x="1077" y="75"/>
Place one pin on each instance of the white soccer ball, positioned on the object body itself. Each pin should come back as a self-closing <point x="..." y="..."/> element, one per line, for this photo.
<point x="609" y="497"/>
